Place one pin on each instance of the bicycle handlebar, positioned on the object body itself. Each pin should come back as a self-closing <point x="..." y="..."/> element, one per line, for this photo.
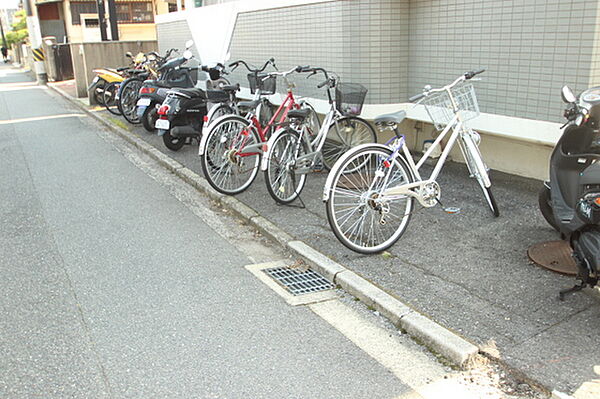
<point x="238" y="62"/>
<point x="461" y="78"/>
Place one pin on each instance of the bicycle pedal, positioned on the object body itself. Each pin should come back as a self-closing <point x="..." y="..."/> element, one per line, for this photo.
<point x="452" y="210"/>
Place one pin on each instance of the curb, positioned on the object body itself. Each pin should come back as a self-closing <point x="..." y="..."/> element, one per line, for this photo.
<point x="439" y="339"/>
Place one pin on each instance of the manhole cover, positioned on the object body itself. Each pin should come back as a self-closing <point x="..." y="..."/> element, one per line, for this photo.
<point x="554" y="255"/>
<point x="299" y="282"/>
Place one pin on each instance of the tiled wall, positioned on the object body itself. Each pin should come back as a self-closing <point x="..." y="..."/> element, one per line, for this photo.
<point x="173" y="35"/>
<point x="363" y="41"/>
<point x="531" y="48"/>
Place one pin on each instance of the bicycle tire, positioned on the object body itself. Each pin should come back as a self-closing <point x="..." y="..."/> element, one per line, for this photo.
<point x="128" y="96"/>
<point x="110" y="98"/>
<point x="221" y="159"/>
<point x="345" y="133"/>
<point x="283" y="184"/>
<point x="354" y="213"/>
<point x="478" y="170"/>
<point x="220" y="110"/>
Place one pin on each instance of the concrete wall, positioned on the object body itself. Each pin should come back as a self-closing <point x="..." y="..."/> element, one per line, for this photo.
<point x="87" y="56"/>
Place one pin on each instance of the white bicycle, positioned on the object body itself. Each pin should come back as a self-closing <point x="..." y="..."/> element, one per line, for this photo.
<point x="370" y="192"/>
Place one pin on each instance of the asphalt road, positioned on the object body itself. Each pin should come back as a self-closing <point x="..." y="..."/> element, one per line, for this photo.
<point x="469" y="272"/>
<point x="118" y="280"/>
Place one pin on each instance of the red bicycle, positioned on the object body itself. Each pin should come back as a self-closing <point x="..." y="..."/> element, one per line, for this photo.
<point x="231" y="150"/>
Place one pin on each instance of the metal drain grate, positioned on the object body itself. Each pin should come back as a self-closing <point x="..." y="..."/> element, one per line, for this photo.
<point x="299" y="282"/>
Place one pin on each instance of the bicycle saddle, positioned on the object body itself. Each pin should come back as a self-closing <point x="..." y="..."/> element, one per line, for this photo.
<point x="299" y="113"/>
<point x="217" y="96"/>
<point x="230" y="88"/>
<point x="249" y="104"/>
<point x="396" y="117"/>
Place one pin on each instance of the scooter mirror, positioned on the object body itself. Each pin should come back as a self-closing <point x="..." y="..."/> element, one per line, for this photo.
<point x="189" y="44"/>
<point x="128" y="54"/>
<point x="567" y="95"/>
<point x="187" y="54"/>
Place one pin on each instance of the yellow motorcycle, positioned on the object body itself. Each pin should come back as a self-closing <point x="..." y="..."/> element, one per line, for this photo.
<point x="106" y="76"/>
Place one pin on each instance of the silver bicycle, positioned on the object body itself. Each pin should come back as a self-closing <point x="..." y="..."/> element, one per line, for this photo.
<point x="369" y="193"/>
<point x="297" y="149"/>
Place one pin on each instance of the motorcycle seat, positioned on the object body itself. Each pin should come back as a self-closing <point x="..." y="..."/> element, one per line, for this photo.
<point x="189" y="93"/>
<point x="249" y="104"/>
<point x="396" y="117"/>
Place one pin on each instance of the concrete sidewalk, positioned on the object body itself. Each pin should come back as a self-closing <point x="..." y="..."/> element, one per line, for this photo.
<point x="469" y="272"/>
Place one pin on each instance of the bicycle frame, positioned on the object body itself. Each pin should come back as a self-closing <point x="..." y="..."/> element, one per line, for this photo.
<point x="456" y="125"/>
<point x="282" y="110"/>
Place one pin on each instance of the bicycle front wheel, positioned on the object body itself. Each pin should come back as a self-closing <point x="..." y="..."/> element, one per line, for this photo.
<point x="478" y="170"/>
<point x="343" y="134"/>
<point x="283" y="183"/>
<point x="360" y="215"/>
<point x="228" y="163"/>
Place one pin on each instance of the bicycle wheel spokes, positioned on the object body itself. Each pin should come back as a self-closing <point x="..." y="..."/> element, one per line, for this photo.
<point x="359" y="215"/>
<point x="283" y="183"/>
<point x="344" y="134"/>
<point x="226" y="165"/>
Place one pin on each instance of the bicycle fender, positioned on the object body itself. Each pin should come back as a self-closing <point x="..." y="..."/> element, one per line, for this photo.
<point x="206" y="126"/>
<point x="264" y="162"/>
<point x="340" y="161"/>
<point x="205" y="133"/>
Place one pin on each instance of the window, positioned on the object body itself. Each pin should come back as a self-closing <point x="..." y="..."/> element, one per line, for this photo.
<point x="78" y="8"/>
<point x="127" y="12"/>
<point x="135" y="12"/>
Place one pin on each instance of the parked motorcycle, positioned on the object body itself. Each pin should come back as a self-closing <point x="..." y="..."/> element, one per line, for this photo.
<point x="153" y="92"/>
<point x="182" y="114"/>
<point x="107" y="76"/>
<point x="570" y="200"/>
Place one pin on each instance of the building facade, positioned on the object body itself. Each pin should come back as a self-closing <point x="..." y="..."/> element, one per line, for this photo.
<point x="529" y="48"/>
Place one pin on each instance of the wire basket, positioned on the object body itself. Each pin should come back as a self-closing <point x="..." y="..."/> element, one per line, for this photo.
<point x="349" y="98"/>
<point x="440" y="109"/>
<point x="263" y="82"/>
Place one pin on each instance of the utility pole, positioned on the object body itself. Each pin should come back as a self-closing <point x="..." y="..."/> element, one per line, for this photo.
<point x="35" y="40"/>
<point x="3" y="37"/>
<point x="112" y="16"/>
<point x="102" y="20"/>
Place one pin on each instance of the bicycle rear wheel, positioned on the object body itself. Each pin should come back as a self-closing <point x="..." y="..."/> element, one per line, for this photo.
<point x="229" y="167"/>
<point x="360" y="217"/>
<point x="478" y="170"/>
<point x="110" y="98"/>
<point x="128" y="96"/>
<point x="283" y="183"/>
<point x="343" y="134"/>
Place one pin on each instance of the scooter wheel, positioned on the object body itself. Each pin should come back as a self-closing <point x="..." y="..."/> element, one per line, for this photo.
<point x="546" y="207"/>
<point x="173" y="143"/>
<point x="149" y="117"/>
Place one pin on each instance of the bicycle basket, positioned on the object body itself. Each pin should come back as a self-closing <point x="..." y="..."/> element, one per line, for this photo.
<point x="440" y="110"/>
<point x="263" y="82"/>
<point x="349" y="98"/>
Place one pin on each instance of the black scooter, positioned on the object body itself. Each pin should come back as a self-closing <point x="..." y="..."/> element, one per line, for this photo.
<point x="570" y="201"/>
<point x="182" y="113"/>
<point x="153" y="92"/>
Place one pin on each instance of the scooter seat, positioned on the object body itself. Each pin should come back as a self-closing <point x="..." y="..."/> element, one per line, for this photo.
<point x="396" y="117"/>
<point x="189" y="93"/>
